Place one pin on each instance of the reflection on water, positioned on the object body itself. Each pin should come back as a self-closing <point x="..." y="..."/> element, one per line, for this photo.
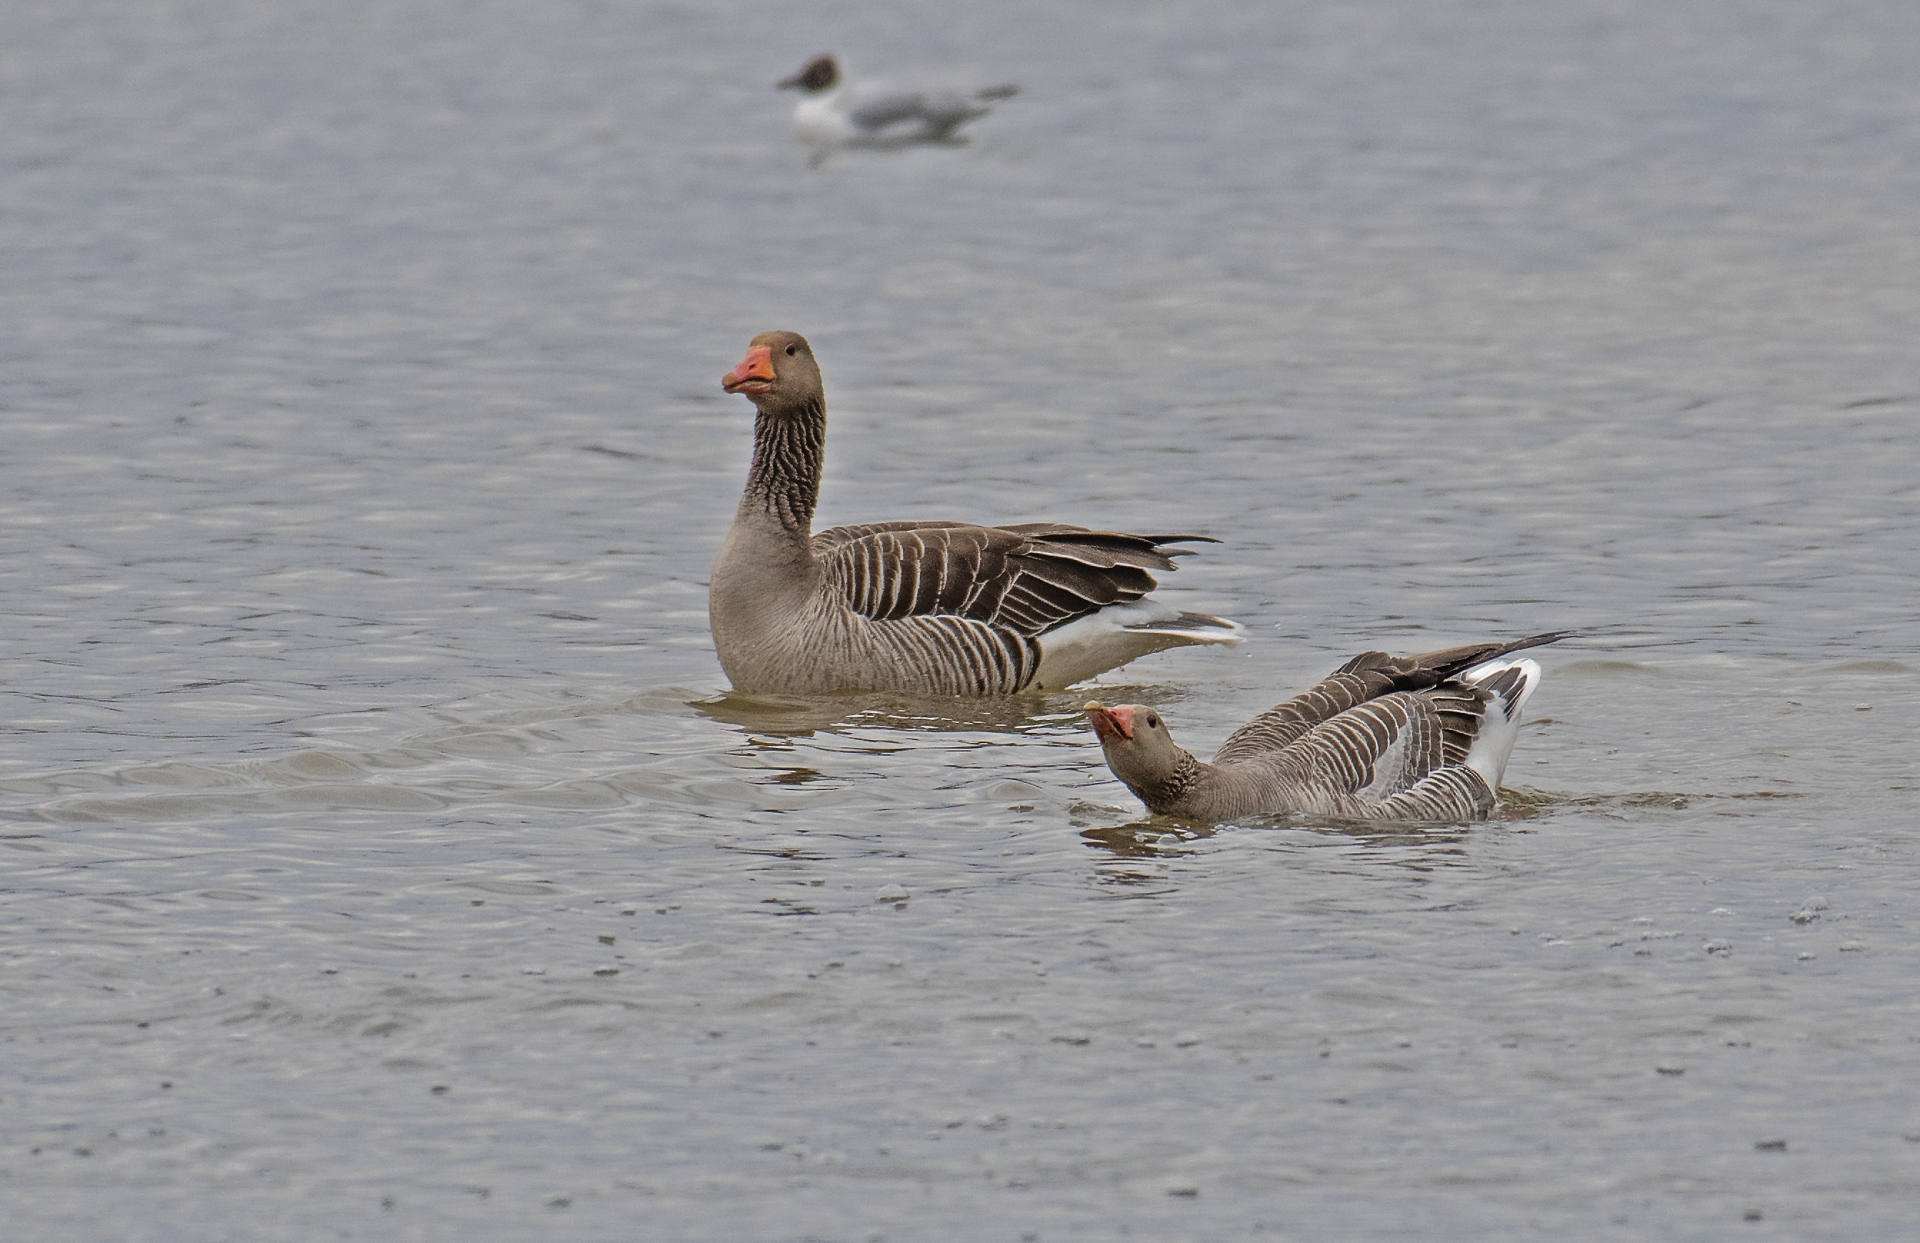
<point x="803" y="716"/>
<point x="1144" y="839"/>
<point x="1160" y="838"/>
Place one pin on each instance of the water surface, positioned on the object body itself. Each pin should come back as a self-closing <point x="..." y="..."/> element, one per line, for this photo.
<point x="385" y="855"/>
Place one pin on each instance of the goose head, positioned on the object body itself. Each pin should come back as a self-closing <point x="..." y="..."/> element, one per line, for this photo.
<point x="1139" y="748"/>
<point x="778" y="373"/>
<point x="817" y="75"/>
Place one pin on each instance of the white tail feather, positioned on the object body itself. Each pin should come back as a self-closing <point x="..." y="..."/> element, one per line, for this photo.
<point x="1122" y="632"/>
<point x="1500" y="727"/>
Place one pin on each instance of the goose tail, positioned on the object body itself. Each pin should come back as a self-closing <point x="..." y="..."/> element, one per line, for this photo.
<point x="1122" y="632"/>
<point x="1509" y="684"/>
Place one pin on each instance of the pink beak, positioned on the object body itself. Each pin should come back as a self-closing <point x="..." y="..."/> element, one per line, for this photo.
<point x="754" y="375"/>
<point x="1110" y="724"/>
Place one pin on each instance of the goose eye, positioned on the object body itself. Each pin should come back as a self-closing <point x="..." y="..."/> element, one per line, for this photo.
<point x="1153" y="722"/>
<point x="792" y="350"/>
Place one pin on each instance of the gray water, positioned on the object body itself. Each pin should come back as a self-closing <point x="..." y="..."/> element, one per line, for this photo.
<point x="385" y="857"/>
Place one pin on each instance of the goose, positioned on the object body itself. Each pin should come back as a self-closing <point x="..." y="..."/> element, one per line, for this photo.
<point x="873" y="114"/>
<point x="1384" y="738"/>
<point x="924" y="608"/>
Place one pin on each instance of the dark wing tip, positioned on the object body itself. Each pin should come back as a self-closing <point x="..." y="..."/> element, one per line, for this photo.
<point x="1539" y="640"/>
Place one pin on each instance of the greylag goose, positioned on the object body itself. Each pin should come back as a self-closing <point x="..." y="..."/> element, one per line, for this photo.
<point x="873" y="114"/>
<point x="1384" y="738"/>
<point x="928" y="608"/>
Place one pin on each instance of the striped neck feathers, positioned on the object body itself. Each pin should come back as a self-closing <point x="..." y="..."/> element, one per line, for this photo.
<point x="789" y="451"/>
<point x="1161" y="793"/>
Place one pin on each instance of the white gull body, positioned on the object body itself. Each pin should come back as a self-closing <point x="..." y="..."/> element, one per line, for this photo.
<point x="836" y="113"/>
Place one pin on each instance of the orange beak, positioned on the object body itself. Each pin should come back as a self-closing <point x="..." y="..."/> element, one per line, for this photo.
<point x="753" y="376"/>
<point x="1110" y="724"/>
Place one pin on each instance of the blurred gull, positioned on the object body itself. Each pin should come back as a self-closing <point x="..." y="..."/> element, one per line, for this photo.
<point x="874" y="114"/>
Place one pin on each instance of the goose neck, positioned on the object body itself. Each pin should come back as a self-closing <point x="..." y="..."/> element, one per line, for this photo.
<point x="789" y="450"/>
<point x="1166" y="793"/>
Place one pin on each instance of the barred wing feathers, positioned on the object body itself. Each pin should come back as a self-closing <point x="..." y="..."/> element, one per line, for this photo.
<point x="1030" y="579"/>
<point x="1367" y="677"/>
<point x="1391" y="745"/>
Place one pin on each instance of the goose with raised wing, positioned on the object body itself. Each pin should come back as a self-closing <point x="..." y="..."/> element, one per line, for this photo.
<point x="930" y="608"/>
<point x="832" y="112"/>
<point x="1408" y="738"/>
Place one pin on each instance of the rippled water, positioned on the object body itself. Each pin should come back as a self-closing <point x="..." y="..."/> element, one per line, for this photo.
<point x="384" y="856"/>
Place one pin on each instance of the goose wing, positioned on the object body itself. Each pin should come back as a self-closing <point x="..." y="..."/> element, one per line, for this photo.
<point x="1363" y="679"/>
<point x="1402" y="756"/>
<point x="1389" y="744"/>
<point x="1029" y="578"/>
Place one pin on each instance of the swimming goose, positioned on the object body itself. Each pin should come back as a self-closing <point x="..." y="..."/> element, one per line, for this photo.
<point x="872" y="114"/>
<point x="1384" y="738"/>
<point x="931" y="608"/>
